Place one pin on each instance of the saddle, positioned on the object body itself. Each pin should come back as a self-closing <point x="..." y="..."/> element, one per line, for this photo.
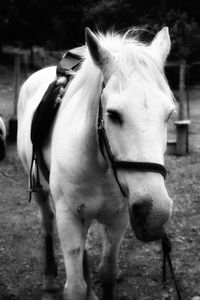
<point x="45" y="113"/>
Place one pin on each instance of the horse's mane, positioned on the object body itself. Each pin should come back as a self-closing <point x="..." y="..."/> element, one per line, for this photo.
<point x="131" y="54"/>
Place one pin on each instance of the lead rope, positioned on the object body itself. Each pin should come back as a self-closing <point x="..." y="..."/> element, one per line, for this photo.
<point x="167" y="247"/>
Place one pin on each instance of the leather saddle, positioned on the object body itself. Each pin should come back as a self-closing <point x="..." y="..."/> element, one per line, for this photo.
<point x="45" y="113"/>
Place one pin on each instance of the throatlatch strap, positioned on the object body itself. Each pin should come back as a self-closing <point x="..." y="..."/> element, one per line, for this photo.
<point x="167" y="247"/>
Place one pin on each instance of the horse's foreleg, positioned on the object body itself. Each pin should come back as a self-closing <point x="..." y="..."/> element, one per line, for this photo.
<point x="72" y="235"/>
<point x="50" y="269"/>
<point x="108" y="268"/>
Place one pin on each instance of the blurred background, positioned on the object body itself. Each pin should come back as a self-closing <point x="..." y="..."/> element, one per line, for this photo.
<point x="60" y="24"/>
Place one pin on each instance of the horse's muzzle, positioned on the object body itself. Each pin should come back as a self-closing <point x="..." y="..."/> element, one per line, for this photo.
<point x="147" y="220"/>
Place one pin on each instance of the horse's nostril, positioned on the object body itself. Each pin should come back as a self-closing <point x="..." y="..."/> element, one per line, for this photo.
<point x="140" y="210"/>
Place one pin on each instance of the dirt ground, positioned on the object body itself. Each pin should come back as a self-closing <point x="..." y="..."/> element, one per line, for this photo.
<point x="21" y="237"/>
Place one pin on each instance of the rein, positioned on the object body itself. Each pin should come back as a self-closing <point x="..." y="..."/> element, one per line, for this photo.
<point x="167" y="247"/>
<point x="135" y="166"/>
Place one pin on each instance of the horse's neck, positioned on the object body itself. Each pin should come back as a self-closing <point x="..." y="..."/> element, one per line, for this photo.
<point x="76" y="130"/>
<point x="83" y="97"/>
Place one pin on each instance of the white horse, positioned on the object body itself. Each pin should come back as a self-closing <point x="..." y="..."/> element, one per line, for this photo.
<point x="2" y="139"/>
<point x="126" y="76"/>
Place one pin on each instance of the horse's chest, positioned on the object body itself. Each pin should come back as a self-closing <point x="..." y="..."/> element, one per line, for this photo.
<point x="93" y="199"/>
<point x="100" y="207"/>
<point x="111" y="207"/>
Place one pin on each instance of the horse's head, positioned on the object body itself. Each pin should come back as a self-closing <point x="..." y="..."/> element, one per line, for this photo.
<point x="2" y="139"/>
<point x="137" y="103"/>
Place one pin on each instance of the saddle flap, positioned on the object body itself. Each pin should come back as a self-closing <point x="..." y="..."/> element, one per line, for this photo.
<point x="46" y="111"/>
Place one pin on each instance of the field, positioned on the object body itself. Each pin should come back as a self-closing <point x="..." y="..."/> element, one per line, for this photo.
<point x="21" y="236"/>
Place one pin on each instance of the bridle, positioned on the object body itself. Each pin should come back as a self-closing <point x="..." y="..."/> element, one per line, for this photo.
<point x="135" y="166"/>
<point x="121" y="164"/>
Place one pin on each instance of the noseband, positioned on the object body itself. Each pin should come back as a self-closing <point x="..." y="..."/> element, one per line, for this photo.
<point x="121" y="164"/>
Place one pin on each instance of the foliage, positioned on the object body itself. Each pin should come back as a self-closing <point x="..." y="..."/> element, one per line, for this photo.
<point x="184" y="33"/>
<point x="60" y="24"/>
<point x="108" y="14"/>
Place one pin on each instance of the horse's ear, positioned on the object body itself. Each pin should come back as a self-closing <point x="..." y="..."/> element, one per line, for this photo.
<point x="161" y="44"/>
<point x="100" y="56"/>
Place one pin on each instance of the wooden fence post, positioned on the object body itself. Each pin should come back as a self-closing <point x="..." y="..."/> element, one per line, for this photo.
<point x="182" y="125"/>
<point x="17" y="75"/>
<point x="182" y="134"/>
<point x="182" y="91"/>
<point x="180" y="146"/>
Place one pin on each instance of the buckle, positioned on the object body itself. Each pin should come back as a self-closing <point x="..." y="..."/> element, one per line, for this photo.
<point x="100" y="125"/>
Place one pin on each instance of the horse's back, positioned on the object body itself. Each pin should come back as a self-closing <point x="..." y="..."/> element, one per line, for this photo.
<point x="34" y="87"/>
<point x="30" y="95"/>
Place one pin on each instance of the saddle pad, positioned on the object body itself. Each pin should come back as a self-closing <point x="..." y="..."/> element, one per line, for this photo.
<point x="44" y="115"/>
<point x="46" y="111"/>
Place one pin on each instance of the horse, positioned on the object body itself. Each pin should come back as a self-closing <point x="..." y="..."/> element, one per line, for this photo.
<point x="104" y="152"/>
<point x="2" y="139"/>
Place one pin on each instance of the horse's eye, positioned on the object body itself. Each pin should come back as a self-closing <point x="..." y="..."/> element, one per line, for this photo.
<point x="115" y="116"/>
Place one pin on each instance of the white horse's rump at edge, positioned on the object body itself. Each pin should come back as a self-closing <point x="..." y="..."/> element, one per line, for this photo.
<point x="2" y="139"/>
<point x="128" y="76"/>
